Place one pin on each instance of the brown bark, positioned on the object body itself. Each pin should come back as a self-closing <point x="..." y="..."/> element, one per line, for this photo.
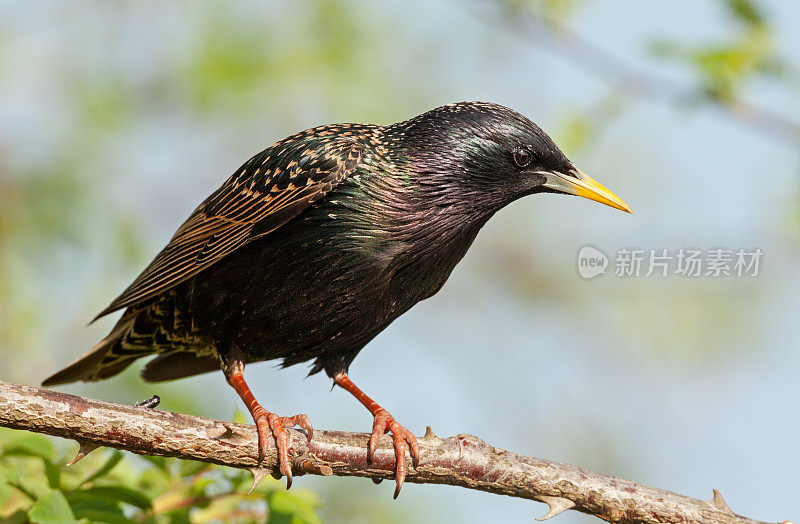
<point x="462" y="460"/>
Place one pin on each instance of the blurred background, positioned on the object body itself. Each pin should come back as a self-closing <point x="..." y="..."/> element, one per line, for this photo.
<point x="117" y="119"/>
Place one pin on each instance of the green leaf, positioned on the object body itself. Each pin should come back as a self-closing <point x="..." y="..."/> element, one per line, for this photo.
<point x="53" y="473"/>
<point x="51" y="509"/>
<point x="161" y="463"/>
<point x="81" y="503"/>
<point x="18" y="517"/>
<point x="220" y="508"/>
<point x="154" y="481"/>
<point x="104" y="517"/>
<point x="7" y="470"/>
<point x="30" y="444"/>
<point x="103" y="470"/>
<point x="745" y="11"/>
<point x="575" y="133"/>
<point x="291" y="508"/>
<point x="12" y="501"/>
<point x="117" y="494"/>
<point x="239" y="417"/>
<point x="560" y="9"/>
<point x="187" y="468"/>
<point x="28" y="475"/>
<point x="179" y="516"/>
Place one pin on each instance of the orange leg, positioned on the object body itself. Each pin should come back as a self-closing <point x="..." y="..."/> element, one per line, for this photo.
<point x="384" y="423"/>
<point x="267" y="422"/>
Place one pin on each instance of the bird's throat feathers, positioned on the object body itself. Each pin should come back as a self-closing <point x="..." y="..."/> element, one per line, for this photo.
<point x="405" y="213"/>
<point x="434" y="180"/>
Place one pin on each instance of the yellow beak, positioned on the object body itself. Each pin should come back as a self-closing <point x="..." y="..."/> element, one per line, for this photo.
<point x="579" y="183"/>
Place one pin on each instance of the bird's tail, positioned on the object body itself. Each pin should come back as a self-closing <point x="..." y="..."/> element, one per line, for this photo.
<point x="101" y="361"/>
<point x="158" y="326"/>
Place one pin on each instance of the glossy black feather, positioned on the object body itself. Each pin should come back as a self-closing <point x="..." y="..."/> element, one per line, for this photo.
<point x="268" y="190"/>
<point x="319" y="242"/>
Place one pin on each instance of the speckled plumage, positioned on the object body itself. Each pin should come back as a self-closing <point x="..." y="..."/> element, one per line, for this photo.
<point x="320" y="241"/>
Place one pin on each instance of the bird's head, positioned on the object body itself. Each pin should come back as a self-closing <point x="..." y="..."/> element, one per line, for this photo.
<point x="489" y="155"/>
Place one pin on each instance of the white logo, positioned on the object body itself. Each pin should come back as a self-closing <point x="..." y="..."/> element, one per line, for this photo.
<point x="591" y="262"/>
<point x="663" y="262"/>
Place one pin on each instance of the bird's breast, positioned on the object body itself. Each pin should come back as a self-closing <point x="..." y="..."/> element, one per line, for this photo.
<point x="379" y="225"/>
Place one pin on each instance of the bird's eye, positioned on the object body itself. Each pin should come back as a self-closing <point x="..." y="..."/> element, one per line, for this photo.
<point x="522" y="157"/>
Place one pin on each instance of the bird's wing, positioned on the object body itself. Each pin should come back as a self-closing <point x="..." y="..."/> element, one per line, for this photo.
<point x="266" y="192"/>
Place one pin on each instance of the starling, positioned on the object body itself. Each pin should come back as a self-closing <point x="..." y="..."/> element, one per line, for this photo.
<point x="317" y="243"/>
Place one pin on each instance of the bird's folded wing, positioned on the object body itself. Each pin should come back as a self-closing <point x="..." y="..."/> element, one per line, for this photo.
<point x="265" y="193"/>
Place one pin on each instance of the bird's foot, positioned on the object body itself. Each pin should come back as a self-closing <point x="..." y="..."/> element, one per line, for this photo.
<point x="267" y="423"/>
<point x="385" y="423"/>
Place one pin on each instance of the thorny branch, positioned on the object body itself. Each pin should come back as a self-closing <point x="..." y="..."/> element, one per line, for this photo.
<point x="462" y="460"/>
<point x="552" y="35"/>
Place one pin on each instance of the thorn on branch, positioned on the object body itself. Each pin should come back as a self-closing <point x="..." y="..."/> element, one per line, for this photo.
<point x="556" y="505"/>
<point x="718" y="502"/>
<point x="429" y="434"/>
<point x="150" y="403"/>
<point x="84" y="449"/>
<point x="258" y="476"/>
<point x="230" y="434"/>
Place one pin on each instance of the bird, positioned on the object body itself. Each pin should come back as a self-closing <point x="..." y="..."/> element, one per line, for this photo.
<point x="317" y="243"/>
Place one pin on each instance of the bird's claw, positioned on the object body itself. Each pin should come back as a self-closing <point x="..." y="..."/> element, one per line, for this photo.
<point x="385" y="423"/>
<point x="267" y="423"/>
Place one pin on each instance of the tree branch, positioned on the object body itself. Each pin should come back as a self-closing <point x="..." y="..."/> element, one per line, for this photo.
<point x="463" y="460"/>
